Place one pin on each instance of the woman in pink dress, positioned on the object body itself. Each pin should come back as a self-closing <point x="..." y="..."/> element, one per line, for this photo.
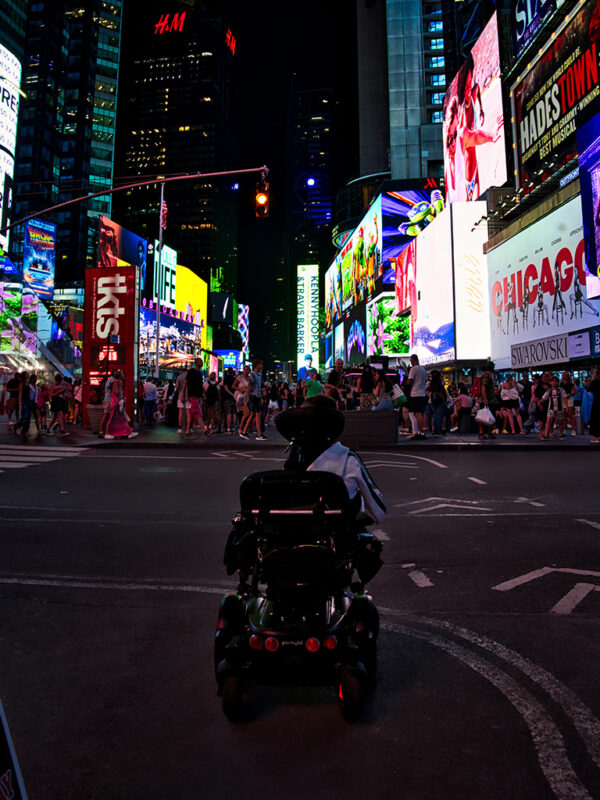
<point x="118" y="422"/>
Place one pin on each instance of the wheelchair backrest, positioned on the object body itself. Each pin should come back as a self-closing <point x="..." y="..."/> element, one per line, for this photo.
<point x="294" y="493"/>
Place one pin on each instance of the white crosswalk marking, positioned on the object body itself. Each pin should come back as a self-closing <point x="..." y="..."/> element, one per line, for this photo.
<point x="14" y="456"/>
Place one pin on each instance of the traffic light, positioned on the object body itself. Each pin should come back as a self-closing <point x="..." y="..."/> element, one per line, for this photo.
<point x="261" y="199"/>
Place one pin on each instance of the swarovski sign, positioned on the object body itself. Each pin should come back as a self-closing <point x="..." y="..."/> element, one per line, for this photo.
<point x="553" y="350"/>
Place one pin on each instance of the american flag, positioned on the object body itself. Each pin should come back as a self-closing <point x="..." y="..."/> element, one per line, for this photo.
<point x="163" y="215"/>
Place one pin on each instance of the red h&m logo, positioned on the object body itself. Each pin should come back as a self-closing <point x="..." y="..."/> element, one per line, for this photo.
<point x="166" y="24"/>
<point x="230" y="41"/>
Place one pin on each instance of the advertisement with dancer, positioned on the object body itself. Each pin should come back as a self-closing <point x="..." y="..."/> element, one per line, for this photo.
<point x="537" y="283"/>
<point x="473" y="122"/>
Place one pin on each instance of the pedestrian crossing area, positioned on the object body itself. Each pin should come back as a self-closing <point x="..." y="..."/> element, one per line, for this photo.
<point x="15" y="456"/>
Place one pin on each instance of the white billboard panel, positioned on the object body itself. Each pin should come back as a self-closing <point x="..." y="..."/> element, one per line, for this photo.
<point x="471" y="301"/>
<point x="308" y="314"/>
<point x="10" y="82"/>
<point x="537" y="283"/>
<point x="432" y="321"/>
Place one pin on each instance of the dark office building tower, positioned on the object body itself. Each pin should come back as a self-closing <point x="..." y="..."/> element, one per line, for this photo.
<point x="13" y="16"/>
<point x="67" y="121"/>
<point x="175" y="119"/>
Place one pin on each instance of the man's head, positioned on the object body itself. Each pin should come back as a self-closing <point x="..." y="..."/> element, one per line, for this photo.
<point x="308" y="360"/>
<point x="414" y="359"/>
<point x="339" y="365"/>
<point x="257" y="365"/>
<point x="198" y="363"/>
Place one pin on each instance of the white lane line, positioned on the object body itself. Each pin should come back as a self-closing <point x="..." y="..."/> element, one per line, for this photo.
<point x="33" y="459"/>
<point x="381" y="535"/>
<point x="477" y="480"/>
<point x="444" y="499"/>
<point x="404" y="455"/>
<point x="63" y="451"/>
<point x="13" y="465"/>
<point x="572" y="599"/>
<point x="220" y="455"/>
<point x="100" y="583"/>
<point x="587" y="725"/>
<point x="547" y="739"/>
<point x="589" y="522"/>
<point x="388" y="465"/>
<point x="421" y="580"/>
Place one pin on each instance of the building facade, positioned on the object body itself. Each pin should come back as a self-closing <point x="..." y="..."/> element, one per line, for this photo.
<point x="176" y="120"/>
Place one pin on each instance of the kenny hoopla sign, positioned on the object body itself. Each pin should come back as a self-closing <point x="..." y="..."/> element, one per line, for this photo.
<point x="308" y="314"/>
<point x="111" y="324"/>
<point x="537" y="283"/>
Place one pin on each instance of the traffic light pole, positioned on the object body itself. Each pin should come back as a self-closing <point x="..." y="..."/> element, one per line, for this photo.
<point x="156" y="179"/>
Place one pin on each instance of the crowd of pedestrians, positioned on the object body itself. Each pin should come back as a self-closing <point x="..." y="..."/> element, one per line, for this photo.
<point x="50" y="406"/>
<point x="546" y="404"/>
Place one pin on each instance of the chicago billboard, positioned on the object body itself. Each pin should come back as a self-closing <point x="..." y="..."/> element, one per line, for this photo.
<point x="473" y="122"/>
<point x="537" y="283"/>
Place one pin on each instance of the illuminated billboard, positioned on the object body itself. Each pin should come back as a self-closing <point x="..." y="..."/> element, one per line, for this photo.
<point x="537" y="283"/>
<point x="432" y="321"/>
<point x="528" y="16"/>
<point x="308" y="313"/>
<point x="118" y="247"/>
<point x="168" y="276"/>
<point x="10" y="81"/>
<point x="471" y="301"/>
<point x="191" y="299"/>
<point x="360" y="258"/>
<point x="388" y="333"/>
<point x="588" y="145"/>
<point x="338" y="342"/>
<point x="39" y="255"/>
<point x="355" y="337"/>
<point x="244" y="328"/>
<point x="333" y="294"/>
<point x="406" y="212"/>
<point x="180" y="341"/>
<point x="559" y="84"/>
<point x="473" y="123"/>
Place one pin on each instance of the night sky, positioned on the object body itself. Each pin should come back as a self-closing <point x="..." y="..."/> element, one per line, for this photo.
<point x="313" y="43"/>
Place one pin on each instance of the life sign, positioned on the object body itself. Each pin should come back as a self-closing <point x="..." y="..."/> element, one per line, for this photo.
<point x="11" y="781"/>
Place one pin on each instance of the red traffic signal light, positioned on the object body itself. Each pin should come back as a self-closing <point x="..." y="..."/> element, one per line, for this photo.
<point x="261" y="199"/>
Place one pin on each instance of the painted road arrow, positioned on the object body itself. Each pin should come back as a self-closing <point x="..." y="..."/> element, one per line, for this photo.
<point x="571" y="600"/>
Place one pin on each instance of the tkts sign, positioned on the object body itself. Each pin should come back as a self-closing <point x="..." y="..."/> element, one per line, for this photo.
<point x="110" y="334"/>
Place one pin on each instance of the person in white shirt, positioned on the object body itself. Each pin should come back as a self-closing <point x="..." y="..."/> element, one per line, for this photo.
<point x="417" y="401"/>
<point x="150" y="401"/>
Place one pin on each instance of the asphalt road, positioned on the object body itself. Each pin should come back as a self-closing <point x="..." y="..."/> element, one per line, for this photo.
<point x="110" y="579"/>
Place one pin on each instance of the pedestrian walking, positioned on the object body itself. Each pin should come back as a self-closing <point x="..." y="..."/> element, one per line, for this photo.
<point x="212" y="399"/>
<point x="417" y="400"/>
<point x="25" y="402"/>
<point x="150" y="401"/>
<point x="119" y="424"/>
<point x="365" y="388"/>
<point x="511" y="404"/>
<point x="555" y="415"/>
<point x="11" y="401"/>
<point x="228" y="399"/>
<point x="570" y="389"/>
<point x="488" y="400"/>
<point x="183" y="404"/>
<point x="58" y="405"/>
<point x="438" y="399"/>
<point x="254" y="402"/>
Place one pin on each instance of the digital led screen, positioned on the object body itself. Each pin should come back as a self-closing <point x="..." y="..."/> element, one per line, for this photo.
<point x="10" y="81"/>
<point x="231" y="358"/>
<point x="117" y="247"/>
<point x="388" y="333"/>
<point x="333" y="294"/>
<point x="355" y="337"/>
<point x="180" y="341"/>
<point x="527" y="18"/>
<point x="557" y="87"/>
<point x="471" y="302"/>
<point x="588" y="145"/>
<point x="39" y="255"/>
<point x="307" y="298"/>
<point x="537" y="283"/>
<point x="191" y="299"/>
<point x="338" y="342"/>
<point x="244" y="328"/>
<point x="360" y="258"/>
<point x="473" y="122"/>
<point x="406" y="212"/>
<point x="432" y="321"/>
<point x="328" y="345"/>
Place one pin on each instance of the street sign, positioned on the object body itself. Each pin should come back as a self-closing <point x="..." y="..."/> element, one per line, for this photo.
<point x="11" y="781"/>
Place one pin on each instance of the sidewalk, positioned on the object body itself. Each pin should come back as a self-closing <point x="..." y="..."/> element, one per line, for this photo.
<point x="163" y="437"/>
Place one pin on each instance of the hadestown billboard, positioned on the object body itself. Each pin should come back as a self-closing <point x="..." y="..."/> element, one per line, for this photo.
<point x="538" y="295"/>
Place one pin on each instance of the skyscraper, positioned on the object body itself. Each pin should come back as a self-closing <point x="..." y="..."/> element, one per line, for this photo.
<point x="176" y="119"/>
<point x="67" y="120"/>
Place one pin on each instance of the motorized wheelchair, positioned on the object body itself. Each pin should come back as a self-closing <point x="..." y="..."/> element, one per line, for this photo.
<point x="301" y="614"/>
